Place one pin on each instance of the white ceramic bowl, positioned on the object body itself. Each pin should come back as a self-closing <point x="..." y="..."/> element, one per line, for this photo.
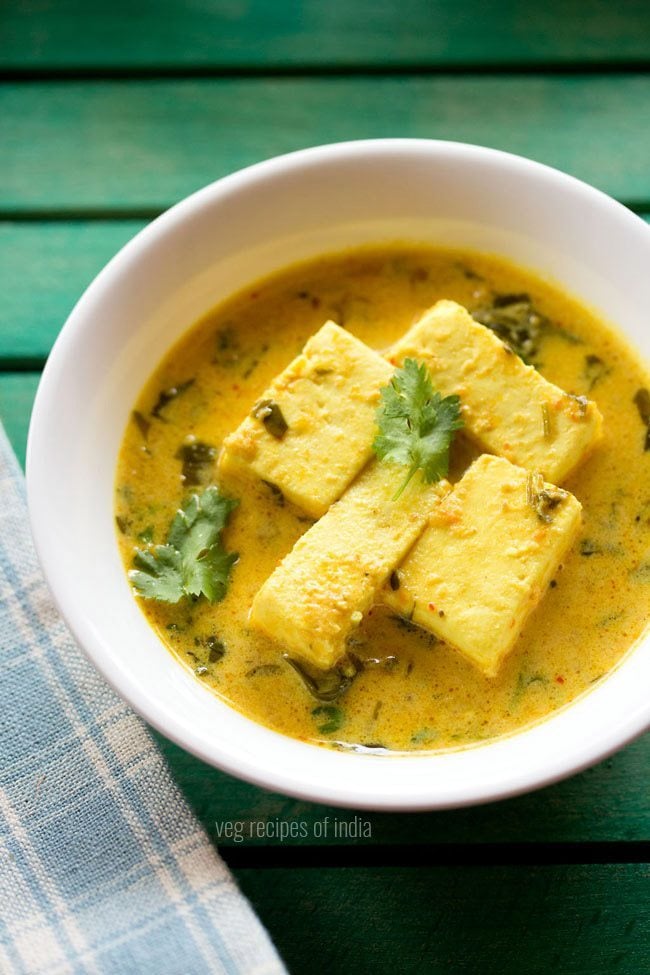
<point x="199" y="252"/>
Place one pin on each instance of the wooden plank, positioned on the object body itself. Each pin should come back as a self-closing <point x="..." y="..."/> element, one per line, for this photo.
<point x="466" y="919"/>
<point x="44" y="268"/>
<point x="45" y="34"/>
<point x="143" y="145"/>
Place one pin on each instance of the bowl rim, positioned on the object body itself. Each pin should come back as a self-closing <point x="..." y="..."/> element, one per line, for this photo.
<point x="630" y="726"/>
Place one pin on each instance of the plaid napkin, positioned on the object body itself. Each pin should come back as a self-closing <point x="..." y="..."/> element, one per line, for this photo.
<point x="103" y="868"/>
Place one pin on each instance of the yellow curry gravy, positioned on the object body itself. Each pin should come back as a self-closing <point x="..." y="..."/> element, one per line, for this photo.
<point x="413" y="692"/>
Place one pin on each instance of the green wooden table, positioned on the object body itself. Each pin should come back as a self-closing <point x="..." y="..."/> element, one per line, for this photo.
<point x="109" y="113"/>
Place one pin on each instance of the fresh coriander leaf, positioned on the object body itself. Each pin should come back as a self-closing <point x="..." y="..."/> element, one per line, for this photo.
<point x="416" y="425"/>
<point x="193" y="562"/>
<point x="158" y="574"/>
<point x="210" y="573"/>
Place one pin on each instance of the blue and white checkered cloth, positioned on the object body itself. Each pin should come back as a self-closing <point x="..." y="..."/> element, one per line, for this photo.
<point x="103" y="868"/>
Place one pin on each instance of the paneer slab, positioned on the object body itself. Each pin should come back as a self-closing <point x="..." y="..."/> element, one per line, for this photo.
<point x="311" y="432"/>
<point x="320" y="591"/>
<point x="509" y="409"/>
<point x="484" y="562"/>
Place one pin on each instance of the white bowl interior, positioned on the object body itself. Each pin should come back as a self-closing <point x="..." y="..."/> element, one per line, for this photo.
<point x="203" y="250"/>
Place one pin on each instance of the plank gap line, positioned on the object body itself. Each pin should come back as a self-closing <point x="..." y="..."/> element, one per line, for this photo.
<point x="385" y="69"/>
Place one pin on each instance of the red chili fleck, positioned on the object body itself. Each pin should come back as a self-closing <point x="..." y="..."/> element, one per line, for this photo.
<point x="235" y="388"/>
<point x="559" y="679"/>
<point x="432" y="607"/>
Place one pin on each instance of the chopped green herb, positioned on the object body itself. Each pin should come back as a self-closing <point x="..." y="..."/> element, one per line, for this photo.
<point x="141" y="423"/>
<point x="516" y="321"/>
<point x="167" y="396"/>
<point x="216" y="649"/>
<point x="227" y="348"/>
<point x="230" y="353"/>
<point x="325" y="685"/>
<point x="542" y="499"/>
<point x="146" y="535"/>
<point x="594" y="370"/>
<point x="122" y="524"/>
<point x="198" y="459"/>
<point x="193" y="562"/>
<point x="416" y="425"/>
<point x="524" y="682"/>
<point x="331" y="718"/>
<point x="254" y="363"/>
<point x="272" y="417"/>
<point x="642" y="403"/>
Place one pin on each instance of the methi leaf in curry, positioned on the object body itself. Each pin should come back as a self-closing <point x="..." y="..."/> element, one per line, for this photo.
<point x="416" y="425"/>
<point x="520" y="325"/>
<point x="193" y="562"/>
<point x="324" y="685"/>
<point x="197" y="458"/>
<point x="516" y="321"/>
<point x="272" y="417"/>
<point x="595" y="370"/>
<point x="330" y="717"/>
<point x="642" y="403"/>
<point x="166" y="396"/>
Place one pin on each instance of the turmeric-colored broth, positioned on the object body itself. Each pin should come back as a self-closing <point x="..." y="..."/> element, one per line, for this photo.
<point x="429" y="697"/>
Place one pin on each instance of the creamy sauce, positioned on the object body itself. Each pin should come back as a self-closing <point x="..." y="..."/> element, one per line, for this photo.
<point x="428" y="697"/>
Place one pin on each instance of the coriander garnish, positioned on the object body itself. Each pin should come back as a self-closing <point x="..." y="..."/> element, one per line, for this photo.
<point x="192" y="562"/>
<point x="416" y="425"/>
